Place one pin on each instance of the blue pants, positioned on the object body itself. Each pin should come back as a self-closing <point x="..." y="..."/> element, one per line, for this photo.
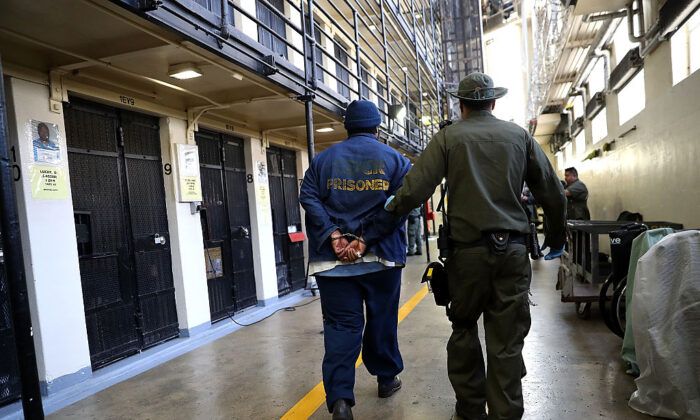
<point x="343" y="320"/>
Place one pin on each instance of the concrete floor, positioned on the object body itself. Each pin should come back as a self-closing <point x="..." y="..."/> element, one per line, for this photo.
<point x="260" y="372"/>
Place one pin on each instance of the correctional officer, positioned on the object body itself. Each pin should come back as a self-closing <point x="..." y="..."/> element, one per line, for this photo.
<point x="577" y="196"/>
<point x="343" y="185"/>
<point x="485" y="161"/>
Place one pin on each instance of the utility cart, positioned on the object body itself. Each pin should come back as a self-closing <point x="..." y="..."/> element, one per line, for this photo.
<point x="583" y="268"/>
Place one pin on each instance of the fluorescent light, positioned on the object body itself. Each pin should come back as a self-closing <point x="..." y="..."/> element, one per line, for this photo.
<point x="418" y="16"/>
<point x="425" y="93"/>
<point x="184" y="71"/>
<point x="404" y="68"/>
<point x="237" y="76"/>
<point x="324" y="130"/>
<point x="372" y="28"/>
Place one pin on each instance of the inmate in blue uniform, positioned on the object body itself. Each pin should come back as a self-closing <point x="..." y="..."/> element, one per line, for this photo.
<point x="343" y="185"/>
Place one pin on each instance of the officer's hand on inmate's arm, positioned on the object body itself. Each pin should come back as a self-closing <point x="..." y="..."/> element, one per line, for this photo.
<point x="339" y="244"/>
<point x="554" y="253"/>
<point x="388" y="200"/>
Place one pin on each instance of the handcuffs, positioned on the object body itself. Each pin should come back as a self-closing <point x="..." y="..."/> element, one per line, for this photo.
<point x="352" y="236"/>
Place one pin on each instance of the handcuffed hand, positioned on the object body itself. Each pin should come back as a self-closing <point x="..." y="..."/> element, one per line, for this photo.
<point x="355" y="250"/>
<point x="344" y="251"/>
<point x="338" y="243"/>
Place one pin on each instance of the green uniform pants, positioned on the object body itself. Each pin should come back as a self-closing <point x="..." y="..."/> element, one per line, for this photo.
<point x="498" y="287"/>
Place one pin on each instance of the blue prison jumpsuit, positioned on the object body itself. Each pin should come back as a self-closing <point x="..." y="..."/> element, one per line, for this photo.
<point x="342" y="188"/>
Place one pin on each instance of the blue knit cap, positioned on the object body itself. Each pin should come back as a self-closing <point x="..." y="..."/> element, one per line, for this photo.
<point x="362" y="114"/>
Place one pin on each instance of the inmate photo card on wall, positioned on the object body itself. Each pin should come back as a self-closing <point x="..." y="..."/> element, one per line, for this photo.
<point x="188" y="164"/>
<point x="46" y="145"/>
<point x="261" y="172"/>
<point x="48" y="182"/>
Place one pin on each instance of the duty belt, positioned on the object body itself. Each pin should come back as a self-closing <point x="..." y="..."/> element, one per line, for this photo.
<point x="514" y="238"/>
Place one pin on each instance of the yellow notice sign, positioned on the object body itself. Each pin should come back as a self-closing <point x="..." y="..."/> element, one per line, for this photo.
<point x="48" y="182"/>
<point x="190" y="188"/>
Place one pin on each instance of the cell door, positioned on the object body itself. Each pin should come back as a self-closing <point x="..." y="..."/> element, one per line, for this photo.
<point x="10" y="389"/>
<point x="286" y="219"/>
<point x="228" y="250"/>
<point x="121" y="229"/>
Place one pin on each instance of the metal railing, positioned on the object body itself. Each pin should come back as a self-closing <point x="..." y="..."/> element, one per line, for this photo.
<point x="387" y="51"/>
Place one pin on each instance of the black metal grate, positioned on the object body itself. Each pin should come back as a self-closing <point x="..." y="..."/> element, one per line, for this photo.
<point x="120" y="210"/>
<point x="90" y="126"/>
<point x="213" y="204"/>
<point x="284" y="202"/>
<point x="140" y="134"/>
<point x="112" y="334"/>
<point x="209" y="148"/>
<point x="9" y="375"/>
<point x="226" y="222"/>
<point x="100" y="279"/>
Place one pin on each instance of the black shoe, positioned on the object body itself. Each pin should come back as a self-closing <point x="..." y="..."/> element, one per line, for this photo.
<point x="387" y="390"/>
<point x="408" y="254"/>
<point x="342" y="410"/>
<point x="418" y="253"/>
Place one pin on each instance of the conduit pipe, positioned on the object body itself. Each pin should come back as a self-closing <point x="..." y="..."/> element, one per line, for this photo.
<point x="604" y="16"/>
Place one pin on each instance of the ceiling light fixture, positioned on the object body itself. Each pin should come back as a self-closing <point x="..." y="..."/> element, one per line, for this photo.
<point x="184" y="71"/>
<point x="237" y="76"/>
<point x="404" y="68"/>
<point x="324" y="130"/>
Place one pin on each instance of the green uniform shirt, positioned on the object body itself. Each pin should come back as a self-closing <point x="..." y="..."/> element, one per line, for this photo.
<point x="578" y="197"/>
<point x="485" y="161"/>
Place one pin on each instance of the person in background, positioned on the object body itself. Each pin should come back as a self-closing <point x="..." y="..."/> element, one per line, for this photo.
<point x="576" y="196"/>
<point x="414" y="232"/>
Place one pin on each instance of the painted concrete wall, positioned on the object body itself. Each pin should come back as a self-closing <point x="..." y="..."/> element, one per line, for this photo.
<point x="50" y="248"/>
<point x="502" y="56"/>
<point x="653" y="169"/>
<point x="261" y="221"/>
<point x="186" y="242"/>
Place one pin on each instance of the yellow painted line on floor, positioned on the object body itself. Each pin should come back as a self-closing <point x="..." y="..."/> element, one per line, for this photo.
<point x="317" y="396"/>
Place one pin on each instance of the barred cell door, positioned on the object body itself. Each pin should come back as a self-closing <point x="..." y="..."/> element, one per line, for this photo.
<point x="228" y="251"/>
<point x="121" y="229"/>
<point x="10" y="389"/>
<point x="286" y="219"/>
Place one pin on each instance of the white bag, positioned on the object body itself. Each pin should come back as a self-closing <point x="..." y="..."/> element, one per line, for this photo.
<point x="666" y="325"/>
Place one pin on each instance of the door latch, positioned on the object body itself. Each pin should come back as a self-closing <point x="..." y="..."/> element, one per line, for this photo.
<point x="159" y="240"/>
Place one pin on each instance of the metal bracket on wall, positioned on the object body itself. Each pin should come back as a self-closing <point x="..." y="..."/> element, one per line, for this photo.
<point x="192" y="123"/>
<point x="264" y="142"/>
<point x="57" y="92"/>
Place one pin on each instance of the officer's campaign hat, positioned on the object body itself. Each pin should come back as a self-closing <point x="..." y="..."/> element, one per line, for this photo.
<point x="477" y="87"/>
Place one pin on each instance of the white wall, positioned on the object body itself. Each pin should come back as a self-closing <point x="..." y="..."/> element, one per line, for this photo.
<point x="502" y="58"/>
<point x="261" y="222"/>
<point x="653" y="169"/>
<point x="186" y="242"/>
<point x="49" y="245"/>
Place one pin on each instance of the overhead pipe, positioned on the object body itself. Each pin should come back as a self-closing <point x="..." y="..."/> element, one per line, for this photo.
<point x="604" y="53"/>
<point x="604" y="16"/>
